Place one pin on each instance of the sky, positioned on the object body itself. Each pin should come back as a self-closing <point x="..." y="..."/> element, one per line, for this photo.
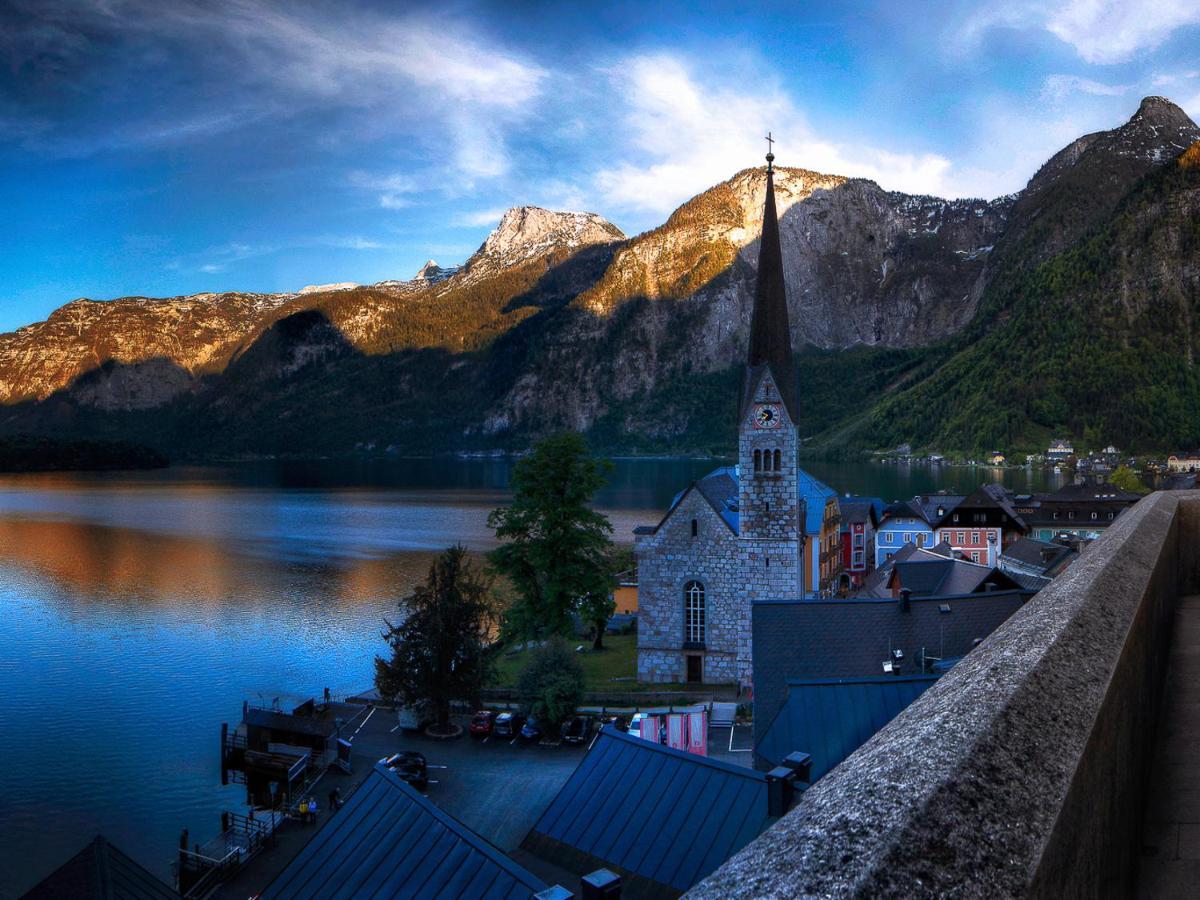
<point x="167" y="147"/>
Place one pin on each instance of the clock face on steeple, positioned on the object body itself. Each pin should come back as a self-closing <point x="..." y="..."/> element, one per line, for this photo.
<point x="767" y="415"/>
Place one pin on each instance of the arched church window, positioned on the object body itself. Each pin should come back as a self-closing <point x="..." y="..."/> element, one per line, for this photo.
<point x="693" y="612"/>
<point x="757" y="460"/>
<point x="695" y="528"/>
<point x="777" y="456"/>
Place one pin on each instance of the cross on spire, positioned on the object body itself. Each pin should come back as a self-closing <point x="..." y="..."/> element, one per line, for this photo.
<point x="770" y="150"/>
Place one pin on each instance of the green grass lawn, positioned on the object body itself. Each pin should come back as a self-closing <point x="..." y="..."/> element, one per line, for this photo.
<point x="618" y="659"/>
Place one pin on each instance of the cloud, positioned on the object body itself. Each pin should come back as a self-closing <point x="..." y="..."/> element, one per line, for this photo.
<point x="1102" y="32"/>
<point x="682" y="134"/>
<point x="478" y="218"/>
<point x="357" y="71"/>
<point x="1057" y="88"/>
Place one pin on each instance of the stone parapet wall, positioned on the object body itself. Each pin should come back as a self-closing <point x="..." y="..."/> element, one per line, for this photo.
<point x="1022" y="771"/>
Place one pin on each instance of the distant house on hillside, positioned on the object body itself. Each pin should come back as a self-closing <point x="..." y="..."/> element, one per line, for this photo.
<point x="996" y="458"/>
<point x="1184" y="462"/>
<point x="1060" y="450"/>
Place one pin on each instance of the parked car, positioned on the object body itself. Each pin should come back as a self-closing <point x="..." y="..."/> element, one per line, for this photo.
<point x="415" y="717"/>
<point x="618" y="722"/>
<point x="482" y="723"/>
<point x="507" y="725"/>
<point x="410" y="766"/>
<point x="577" y="730"/>
<point x="532" y="731"/>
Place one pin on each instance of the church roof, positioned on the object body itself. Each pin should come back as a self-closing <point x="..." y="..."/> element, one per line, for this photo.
<point x="815" y="494"/>
<point x="770" y="334"/>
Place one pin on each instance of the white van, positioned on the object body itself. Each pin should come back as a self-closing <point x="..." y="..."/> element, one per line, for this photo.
<point x="415" y="717"/>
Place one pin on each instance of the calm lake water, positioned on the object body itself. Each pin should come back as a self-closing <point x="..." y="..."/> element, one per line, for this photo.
<point x="138" y="611"/>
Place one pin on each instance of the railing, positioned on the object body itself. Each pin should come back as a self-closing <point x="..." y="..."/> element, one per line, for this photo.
<point x="1022" y="771"/>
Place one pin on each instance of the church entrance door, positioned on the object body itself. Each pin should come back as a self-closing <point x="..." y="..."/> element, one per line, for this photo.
<point x="695" y="668"/>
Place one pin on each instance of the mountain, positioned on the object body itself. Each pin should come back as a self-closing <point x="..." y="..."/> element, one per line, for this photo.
<point x="916" y="318"/>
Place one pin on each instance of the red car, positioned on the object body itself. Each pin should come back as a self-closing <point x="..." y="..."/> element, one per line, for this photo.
<point x="482" y="723"/>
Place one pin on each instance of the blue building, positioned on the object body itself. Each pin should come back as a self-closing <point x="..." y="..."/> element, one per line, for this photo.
<point x="822" y="533"/>
<point x="910" y="522"/>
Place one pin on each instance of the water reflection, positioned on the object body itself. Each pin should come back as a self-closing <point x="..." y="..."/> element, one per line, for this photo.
<point x="138" y="611"/>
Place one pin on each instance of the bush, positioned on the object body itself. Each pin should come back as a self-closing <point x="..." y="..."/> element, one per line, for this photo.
<point x="552" y="683"/>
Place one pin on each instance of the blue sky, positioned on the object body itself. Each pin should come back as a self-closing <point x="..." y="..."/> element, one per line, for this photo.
<point x="162" y="147"/>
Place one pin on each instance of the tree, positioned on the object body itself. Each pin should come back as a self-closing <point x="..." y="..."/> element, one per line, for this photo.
<point x="557" y="547"/>
<point x="1126" y="479"/>
<point x="552" y="682"/>
<point x="440" y="650"/>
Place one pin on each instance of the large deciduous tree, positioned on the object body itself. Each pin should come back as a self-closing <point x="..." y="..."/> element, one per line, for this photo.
<point x="556" y="548"/>
<point x="440" y="650"/>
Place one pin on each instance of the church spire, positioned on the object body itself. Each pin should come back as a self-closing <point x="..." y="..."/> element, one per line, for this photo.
<point x="770" y="337"/>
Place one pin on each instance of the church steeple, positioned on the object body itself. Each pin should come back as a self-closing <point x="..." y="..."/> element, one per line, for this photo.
<point x="770" y="337"/>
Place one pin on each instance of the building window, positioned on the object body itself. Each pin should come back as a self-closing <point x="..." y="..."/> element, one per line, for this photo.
<point x="757" y="460"/>
<point x="777" y="459"/>
<point x="908" y="537"/>
<point x="974" y="556"/>
<point x="695" y="528"/>
<point x="974" y="537"/>
<point x="1094" y="516"/>
<point x="693" y="612"/>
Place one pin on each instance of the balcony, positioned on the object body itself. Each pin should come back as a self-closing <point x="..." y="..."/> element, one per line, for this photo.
<point x="1057" y="759"/>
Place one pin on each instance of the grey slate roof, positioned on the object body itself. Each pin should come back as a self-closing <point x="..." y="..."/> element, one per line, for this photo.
<point x="100" y="872"/>
<point x="876" y="584"/>
<point x="1047" y="557"/>
<point x="927" y="578"/>
<point x="662" y="818"/>
<point x="831" y="718"/>
<point x="389" y="841"/>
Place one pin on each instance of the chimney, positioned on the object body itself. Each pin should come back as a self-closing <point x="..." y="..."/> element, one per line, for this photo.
<point x="600" y="885"/>
<point x="801" y="765"/>
<point x="905" y="600"/>
<point x="779" y="791"/>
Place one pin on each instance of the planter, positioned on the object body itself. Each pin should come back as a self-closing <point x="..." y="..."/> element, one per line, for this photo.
<point x="452" y="732"/>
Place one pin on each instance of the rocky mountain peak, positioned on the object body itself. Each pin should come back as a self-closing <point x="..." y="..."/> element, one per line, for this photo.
<point x="431" y="272"/>
<point x="1158" y="131"/>
<point x="528" y="231"/>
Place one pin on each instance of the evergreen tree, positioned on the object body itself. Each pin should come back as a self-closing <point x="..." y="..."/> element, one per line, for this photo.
<point x="556" y="547"/>
<point x="440" y="650"/>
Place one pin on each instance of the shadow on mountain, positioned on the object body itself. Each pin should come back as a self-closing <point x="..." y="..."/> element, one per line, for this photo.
<point x="566" y="279"/>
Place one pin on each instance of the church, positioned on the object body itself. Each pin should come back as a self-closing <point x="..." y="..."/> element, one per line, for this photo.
<point x="736" y="535"/>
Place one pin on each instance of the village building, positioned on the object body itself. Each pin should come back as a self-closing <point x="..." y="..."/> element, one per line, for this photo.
<point x="859" y="521"/>
<point x="981" y="526"/>
<point x="739" y="534"/>
<point x="911" y="522"/>
<point x="1184" y="462"/>
<point x="1080" y="510"/>
<point x="1060" y="451"/>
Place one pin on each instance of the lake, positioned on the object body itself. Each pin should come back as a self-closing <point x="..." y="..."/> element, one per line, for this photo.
<point x="140" y="610"/>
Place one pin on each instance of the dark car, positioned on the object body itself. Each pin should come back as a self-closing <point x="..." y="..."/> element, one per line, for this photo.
<point x="410" y="766"/>
<point x="532" y="731"/>
<point x="507" y="725"/>
<point x="482" y="723"/>
<point x="577" y="730"/>
<point x="618" y="722"/>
